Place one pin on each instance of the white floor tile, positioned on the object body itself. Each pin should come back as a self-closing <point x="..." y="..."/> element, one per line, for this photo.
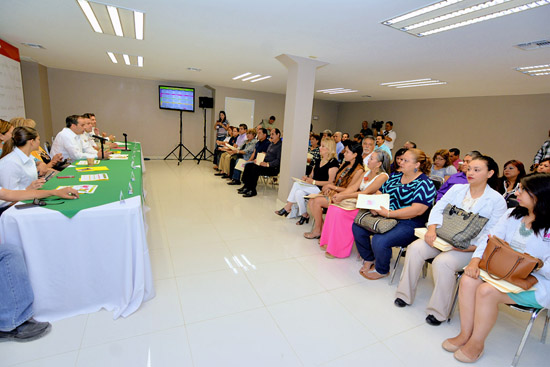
<point x="162" y="348"/>
<point x="249" y="338"/>
<point x="200" y="258"/>
<point x="332" y="273"/>
<point x="161" y="263"/>
<point x="60" y="360"/>
<point x="161" y="312"/>
<point x="320" y="329"/>
<point x="374" y="355"/>
<point x="215" y="294"/>
<point x="282" y="281"/>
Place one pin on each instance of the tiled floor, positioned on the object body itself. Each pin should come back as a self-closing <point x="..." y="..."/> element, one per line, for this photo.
<point x="239" y="286"/>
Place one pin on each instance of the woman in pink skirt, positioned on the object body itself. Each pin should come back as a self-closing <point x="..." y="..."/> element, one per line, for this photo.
<point x="336" y="237"/>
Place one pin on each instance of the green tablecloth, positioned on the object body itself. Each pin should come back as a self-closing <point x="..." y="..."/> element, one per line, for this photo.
<point x="120" y="175"/>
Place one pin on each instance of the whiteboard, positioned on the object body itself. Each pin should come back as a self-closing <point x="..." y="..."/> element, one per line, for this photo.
<point x="239" y="111"/>
<point x="11" y="89"/>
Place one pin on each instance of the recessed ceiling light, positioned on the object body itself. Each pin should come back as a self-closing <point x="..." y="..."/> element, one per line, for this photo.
<point x="262" y="78"/>
<point x="113" y="20"/>
<point x="241" y="76"/>
<point x="436" y="18"/>
<point x="413" y="83"/>
<point x="251" y="77"/>
<point x="126" y="59"/>
<point x="337" y="90"/>
<point x="33" y="45"/>
<point x="537" y="70"/>
<point x="112" y="57"/>
<point x="140" y="61"/>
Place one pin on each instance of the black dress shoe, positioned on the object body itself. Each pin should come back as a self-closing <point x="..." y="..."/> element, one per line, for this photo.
<point x="250" y="193"/>
<point x="430" y="319"/>
<point x="234" y="182"/>
<point x="225" y="175"/>
<point x="219" y="174"/>
<point x="27" y="331"/>
<point x="242" y="190"/>
<point x="400" y="303"/>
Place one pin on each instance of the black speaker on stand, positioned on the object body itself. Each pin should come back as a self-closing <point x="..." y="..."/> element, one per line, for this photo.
<point x="204" y="103"/>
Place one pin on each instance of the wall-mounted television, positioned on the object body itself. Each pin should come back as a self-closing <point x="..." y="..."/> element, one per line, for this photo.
<point x="177" y="98"/>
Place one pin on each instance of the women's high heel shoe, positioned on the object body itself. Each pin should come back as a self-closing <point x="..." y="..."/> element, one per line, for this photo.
<point x="302" y="220"/>
<point x="282" y="212"/>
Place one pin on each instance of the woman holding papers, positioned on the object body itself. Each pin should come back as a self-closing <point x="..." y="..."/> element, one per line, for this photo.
<point x="411" y="195"/>
<point x="478" y="196"/>
<point x="527" y="229"/>
<point x="323" y="173"/>
<point x="349" y="173"/>
<point x="336" y="237"/>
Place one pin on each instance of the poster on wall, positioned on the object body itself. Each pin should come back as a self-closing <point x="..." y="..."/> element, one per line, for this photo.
<point x="11" y="87"/>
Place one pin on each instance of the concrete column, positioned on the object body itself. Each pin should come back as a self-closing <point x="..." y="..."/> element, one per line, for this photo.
<point x="298" y="108"/>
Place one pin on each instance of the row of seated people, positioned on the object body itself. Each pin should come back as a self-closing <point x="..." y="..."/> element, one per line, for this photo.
<point x="412" y="196"/>
<point x="246" y="154"/>
<point x="24" y="164"/>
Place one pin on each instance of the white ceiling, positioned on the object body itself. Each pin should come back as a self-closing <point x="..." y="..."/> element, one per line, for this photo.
<point x="228" y="38"/>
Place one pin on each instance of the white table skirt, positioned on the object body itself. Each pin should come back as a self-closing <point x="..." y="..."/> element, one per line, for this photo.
<point x="98" y="259"/>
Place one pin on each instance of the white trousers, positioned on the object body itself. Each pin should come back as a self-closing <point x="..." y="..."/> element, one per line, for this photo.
<point x="297" y="194"/>
<point x="444" y="267"/>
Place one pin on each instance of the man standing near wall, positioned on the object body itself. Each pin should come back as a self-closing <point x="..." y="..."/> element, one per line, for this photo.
<point x="389" y="135"/>
<point x="544" y="152"/>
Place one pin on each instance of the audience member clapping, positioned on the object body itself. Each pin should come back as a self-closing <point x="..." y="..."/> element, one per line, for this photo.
<point x="323" y="173"/>
<point x="411" y="195"/>
<point x="336" y="236"/>
<point x="349" y="173"/>
<point x="442" y="168"/>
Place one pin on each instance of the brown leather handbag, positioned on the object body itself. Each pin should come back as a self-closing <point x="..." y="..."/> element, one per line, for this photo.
<point x="502" y="262"/>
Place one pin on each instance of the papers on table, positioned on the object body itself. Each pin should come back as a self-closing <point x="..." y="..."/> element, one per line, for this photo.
<point x="502" y="285"/>
<point x="303" y="183"/>
<point x="85" y="163"/>
<point x="260" y="158"/>
<point x="439" y="243"/>
<point x="97" y="177"/>
<point x="82" y="189"/>
<point x="92" y="169"/>
<point x="373" y="201"/>
<point x="118" y="156"/>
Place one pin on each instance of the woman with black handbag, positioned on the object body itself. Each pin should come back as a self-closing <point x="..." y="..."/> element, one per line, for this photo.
<point x="477" y="197"/>
<point x="411" y="195"/>
<point x="527" y="229"/>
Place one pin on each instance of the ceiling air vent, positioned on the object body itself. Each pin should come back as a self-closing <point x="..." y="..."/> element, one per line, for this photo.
<point x="533" y="45"/>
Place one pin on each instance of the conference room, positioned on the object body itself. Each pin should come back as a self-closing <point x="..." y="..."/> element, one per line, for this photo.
<point x="222" y="280"/>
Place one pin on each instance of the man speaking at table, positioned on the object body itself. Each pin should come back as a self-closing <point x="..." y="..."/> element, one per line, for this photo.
<point x="69" y="143"/>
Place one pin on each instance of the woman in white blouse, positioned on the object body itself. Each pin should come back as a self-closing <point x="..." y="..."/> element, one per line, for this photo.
<point x="17" y="167"/>
<point x="478" y="197"/>
<point x="527" y="229"/>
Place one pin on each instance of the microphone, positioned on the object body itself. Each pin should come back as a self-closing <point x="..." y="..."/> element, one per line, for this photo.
<point x="99" y="137"/>
<point x="125" y="143"/>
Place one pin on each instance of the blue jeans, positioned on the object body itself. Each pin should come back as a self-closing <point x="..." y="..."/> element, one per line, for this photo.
<point x="381" y="248"/>
<point x="16" y="296"/>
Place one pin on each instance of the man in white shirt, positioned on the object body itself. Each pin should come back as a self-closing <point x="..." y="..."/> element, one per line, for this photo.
<point x="88" y="143"/>
<point x="69" y="143"/>
<point x="389" y="135"/>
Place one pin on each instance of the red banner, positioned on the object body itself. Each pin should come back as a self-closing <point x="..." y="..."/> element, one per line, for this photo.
<point x="10" y="51"/>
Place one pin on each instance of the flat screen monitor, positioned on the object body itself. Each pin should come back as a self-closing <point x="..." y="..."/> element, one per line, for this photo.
<point x="177" y="98"/>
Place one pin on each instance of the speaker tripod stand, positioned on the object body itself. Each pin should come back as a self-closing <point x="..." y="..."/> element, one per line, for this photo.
<point x="204" y="149"/>
<point x="180" y="146"/>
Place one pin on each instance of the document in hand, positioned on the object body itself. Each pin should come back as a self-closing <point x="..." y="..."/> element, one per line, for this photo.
<point x="302" y="182"/>
<point x="260" y="158"/>
<point x="240" y="164"/>
<point x="373" y="201"/>
<point x="230" y="146"/>
<point x="439" y="243"/>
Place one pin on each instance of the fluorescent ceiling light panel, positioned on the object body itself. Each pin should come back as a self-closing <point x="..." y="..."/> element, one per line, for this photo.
<point x="533" y="67"/>
<point x="337" y="90"/>
<point x="138" y="24"/>
<point x="140" y="61"/>
<point x="241" y="76"/>
<point x="88" y="12"/>
<point x="126" y="59"/>
<point x="115" y="20"/>
<point x="450" y="14"/>
<point x="262" y="78"/>
<point x="406" y="81"/>
<point x="413" y="83"/>
<point x="113" y="58"/>
<point x="537" y="70"/>
<point x="420" y="85"/>
<point x="251" y="77"/>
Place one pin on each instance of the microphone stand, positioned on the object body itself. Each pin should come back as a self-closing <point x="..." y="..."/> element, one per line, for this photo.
<point x="101" y="140"/>
<point x="125" y="143"/>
